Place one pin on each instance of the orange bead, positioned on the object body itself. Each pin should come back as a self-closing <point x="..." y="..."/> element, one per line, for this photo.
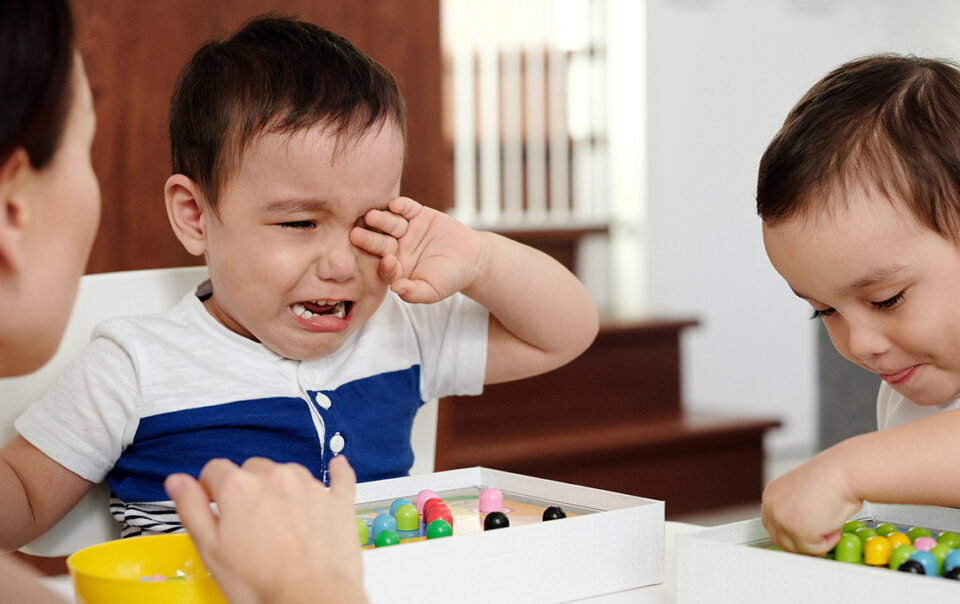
<point x="876" y="551"/>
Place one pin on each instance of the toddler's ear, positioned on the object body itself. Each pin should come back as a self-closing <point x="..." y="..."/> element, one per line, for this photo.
<point x="186" y="212"/>
<point x="14" y="210"/>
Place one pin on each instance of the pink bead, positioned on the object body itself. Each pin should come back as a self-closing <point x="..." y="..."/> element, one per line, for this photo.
<point x="422" y="498"/>
<point x="923" y="544"/>
<point x="491" y="500"/>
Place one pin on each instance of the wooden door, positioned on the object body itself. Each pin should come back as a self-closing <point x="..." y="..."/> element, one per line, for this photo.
<point x="133" y="52"/>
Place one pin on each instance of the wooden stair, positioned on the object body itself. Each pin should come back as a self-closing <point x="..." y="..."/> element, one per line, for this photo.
<point x="612" y="419"/>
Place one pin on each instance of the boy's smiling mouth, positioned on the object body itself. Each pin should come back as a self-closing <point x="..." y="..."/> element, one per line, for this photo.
<point x="323" y="315"/>
<point x="899" y="376"/>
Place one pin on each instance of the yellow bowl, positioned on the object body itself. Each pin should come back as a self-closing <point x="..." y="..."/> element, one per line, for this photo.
<point x="132" y="570"/>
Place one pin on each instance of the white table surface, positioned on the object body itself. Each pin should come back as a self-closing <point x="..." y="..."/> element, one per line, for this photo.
<point x="664" y="593"/>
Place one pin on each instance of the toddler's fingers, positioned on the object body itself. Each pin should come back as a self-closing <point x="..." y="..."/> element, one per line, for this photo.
<point x="415" y="292"/>
<point x="390" y="269"/>
<point x="343" y="480"/>
<point x="386" y="222"/>
<point x="405" y="206"/>
<point x="372" y="242"/>
<point x="193" y="507"/>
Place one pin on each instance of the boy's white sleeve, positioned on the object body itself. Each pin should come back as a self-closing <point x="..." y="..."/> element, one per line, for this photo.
<point x="89" y="415"/>
<point x="452" y="335"/>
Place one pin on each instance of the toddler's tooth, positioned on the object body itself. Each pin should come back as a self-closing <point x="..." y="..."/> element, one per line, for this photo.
<point x="307" y="314"/>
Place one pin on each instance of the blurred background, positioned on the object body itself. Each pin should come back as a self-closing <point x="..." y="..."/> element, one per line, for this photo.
<point x="622" y="136"/>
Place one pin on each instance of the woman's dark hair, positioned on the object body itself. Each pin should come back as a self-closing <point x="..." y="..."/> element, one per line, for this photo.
<point x="884" y="122"/>
<point x="36" y="67"/>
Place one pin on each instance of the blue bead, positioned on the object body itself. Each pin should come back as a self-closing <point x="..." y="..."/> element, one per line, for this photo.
<point x="396" y="504"/>
<point x="383" y="522"/>
<point x="952" y="560"/>
<point x="927" y="560"/>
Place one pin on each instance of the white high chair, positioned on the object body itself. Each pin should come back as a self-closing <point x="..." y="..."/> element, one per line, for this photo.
<point x="102" y="296"/>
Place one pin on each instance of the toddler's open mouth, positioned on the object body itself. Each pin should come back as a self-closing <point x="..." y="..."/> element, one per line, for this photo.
<point x="331" y="308"/>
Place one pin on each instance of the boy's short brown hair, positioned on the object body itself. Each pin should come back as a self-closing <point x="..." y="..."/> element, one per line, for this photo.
<point x="887" y="122"/>
<point x="274" y="75"/>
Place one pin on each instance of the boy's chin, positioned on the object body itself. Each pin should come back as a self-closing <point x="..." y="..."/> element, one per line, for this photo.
<point x="308" y="352"/>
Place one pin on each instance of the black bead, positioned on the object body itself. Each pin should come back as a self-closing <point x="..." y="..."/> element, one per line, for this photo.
<point x="953" y="573"/>
<point x="912" y="566"/>
<point x="553" y="513"/>
<point x="495" y="520"/>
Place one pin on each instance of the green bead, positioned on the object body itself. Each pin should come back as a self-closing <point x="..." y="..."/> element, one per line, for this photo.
<point x="849" y="548"/>
<point x="885" y="529"/>
<point x="865" y="533"/>
<point x="362" y="531"/>
<point x="852" y="526"/>
<point x="949" y="538"/>
<point x="387" y="537"/>
<point x="407" y="517"/>
<point x="900" y="554"/>
<point x="439" y="528"/>
<point x="940" y="552"/>
<point x="917" y="532"/>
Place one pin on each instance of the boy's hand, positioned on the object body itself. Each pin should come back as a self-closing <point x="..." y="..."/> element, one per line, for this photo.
<point x="281" y="535"/>
<point x="804" y="509"/>
<point x="425" y="255"/>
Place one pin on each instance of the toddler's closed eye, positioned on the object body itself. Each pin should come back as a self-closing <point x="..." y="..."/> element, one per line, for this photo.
<point x="299" y="224"/>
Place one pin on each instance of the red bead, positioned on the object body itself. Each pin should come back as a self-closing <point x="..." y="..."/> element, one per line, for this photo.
<point x="440" y="513"/>
<point x="429" y="504"/>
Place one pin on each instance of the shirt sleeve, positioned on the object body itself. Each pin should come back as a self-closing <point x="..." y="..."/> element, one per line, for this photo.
<point x="452" y="336"/>
<point x="89" y="415"/>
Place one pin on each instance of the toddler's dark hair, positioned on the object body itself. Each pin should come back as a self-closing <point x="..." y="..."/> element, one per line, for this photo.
<point x="274" y="75"/>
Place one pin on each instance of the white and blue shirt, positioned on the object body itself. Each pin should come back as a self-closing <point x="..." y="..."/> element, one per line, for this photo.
<point x="158" y="394"/>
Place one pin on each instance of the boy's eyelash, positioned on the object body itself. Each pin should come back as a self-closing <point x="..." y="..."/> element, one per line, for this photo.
<point x="882" y="305"/>
<point x="890" y="302"/>
<point x="298" y="224"/>
<point x="816" y="314"/>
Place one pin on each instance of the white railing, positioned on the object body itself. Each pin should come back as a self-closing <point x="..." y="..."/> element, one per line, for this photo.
<point x="529" y="109"/>
<point x="532" y="86"/>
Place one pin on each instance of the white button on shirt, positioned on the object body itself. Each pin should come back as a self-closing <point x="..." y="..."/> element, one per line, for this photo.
<point x="323" y="400"/>
<point x="337" y="443"/>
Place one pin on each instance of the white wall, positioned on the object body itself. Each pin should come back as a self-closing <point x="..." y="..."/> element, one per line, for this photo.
<point x="722" y="75"/>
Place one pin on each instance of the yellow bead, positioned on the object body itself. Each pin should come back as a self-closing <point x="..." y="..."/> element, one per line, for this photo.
<point x="897" y="538"/>
<point x="876" y="551"/>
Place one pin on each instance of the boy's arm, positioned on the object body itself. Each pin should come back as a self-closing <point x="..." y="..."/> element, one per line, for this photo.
<point x="35" y="493"/>
<point x="910" y="464"/>
<point x="542" y="316"/>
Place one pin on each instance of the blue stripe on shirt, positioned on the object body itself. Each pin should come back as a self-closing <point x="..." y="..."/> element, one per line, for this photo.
<point x="374" y="416"/>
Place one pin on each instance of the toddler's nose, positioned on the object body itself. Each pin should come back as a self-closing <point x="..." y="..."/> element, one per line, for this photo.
<point x="337" y="261"/>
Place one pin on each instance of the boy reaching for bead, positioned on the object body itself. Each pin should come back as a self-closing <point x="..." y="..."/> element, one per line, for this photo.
<point x="334" y="307"/>
<point x="859" y="194"/>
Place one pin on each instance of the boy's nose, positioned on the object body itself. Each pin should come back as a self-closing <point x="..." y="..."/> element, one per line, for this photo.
<point x="337" y="262"/>
<point x="866" y="340"/>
